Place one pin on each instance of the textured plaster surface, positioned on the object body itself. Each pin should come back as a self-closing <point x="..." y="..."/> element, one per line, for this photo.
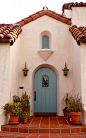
<point x="14" y="69"/>
<point x="83" y="72"/>
<point x="67" y="13"/>
<point x="76" y="67"/>
<point x="79" y="16"/>
<point x="30" y="45"/>
<point x="4" y="73"/>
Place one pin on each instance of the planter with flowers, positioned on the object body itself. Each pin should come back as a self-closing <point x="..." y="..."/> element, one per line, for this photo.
<point x="14" y="110"/>
<point x="74" y="108"/>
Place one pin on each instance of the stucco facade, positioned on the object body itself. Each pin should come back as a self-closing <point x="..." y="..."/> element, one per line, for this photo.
<point x="28" y="48"/>
<point x="29" y="53"/>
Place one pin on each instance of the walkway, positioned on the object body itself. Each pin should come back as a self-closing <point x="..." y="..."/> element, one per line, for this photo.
<point x="44" y="127"/>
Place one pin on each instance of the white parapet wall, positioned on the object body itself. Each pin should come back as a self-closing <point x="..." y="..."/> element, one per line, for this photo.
<point x="3" y="118"/>
<point x="83" y="117"/>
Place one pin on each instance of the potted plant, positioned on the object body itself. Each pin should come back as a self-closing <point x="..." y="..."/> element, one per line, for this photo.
<point x="74" y="108"/>
<point x="14" y="110"/>
<point x="25" y="102"/>
<point x="24" y="117"/>
<point x="65" y="102"/>
<point x="7" y="107"/>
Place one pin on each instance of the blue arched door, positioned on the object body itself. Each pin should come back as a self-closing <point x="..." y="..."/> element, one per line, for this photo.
<point x="45" y="91"/>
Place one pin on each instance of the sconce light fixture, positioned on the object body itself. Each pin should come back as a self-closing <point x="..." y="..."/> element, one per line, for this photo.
<point x="25" y="70"/>
<point x="65" y="70"/>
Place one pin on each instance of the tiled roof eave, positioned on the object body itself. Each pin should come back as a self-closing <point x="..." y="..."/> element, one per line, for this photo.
<point x="79" y="34"/>
<point x="48" y="13"/>
<point x="9" y="33"/>
<point x="83" y="40"/>
<point x="10" y="41"/>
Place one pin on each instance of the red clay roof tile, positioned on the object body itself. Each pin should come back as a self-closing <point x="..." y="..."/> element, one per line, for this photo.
<point x="10" y="31"/>
<point x="41" y="13"/>
<point x="78" y="33"/>
<point x="49" y="13"/>
<point x="71" y="4"/>
<point x="21" y="23"/>
<point x="27" y="20"/>
<point x="34" y="16"/>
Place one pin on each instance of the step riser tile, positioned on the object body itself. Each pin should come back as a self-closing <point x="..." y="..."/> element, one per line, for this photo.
<point x="23" y="130"/>
<point x="14" y="129"/>
<point x="5" y="129"/>
<point x="83" y="129"/>
<point x="75" y="130"/>
<point x="33" y="130"/>
<point x="65" y="130"/>
<point x="56" y="131"/>
<point x="43" y="130"/>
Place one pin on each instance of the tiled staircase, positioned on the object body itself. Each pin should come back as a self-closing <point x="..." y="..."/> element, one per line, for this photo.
<point x="44" y="127"/>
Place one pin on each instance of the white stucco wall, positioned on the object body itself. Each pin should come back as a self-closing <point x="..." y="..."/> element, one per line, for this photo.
<point x="30" y="45"/>
<point x="83" y="72"/>
<point x="76" y="66"/>
<point x="67" y="13"/>
<point x="4" y="73"/>
<point x="79" y="16"/>
<point x="14" y="69"/>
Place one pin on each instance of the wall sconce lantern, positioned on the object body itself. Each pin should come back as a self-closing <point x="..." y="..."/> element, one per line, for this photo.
<point x="65" y="70"/>
<point x="25" y="70"/>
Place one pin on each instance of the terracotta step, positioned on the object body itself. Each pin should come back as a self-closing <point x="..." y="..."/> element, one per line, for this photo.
<point x="24" y="135"/>
<point x="45" y="125"/>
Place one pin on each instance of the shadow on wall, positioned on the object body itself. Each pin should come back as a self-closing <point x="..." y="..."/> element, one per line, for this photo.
<point x="3" y="118"/>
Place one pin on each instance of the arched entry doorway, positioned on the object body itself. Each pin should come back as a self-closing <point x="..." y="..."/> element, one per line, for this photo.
<point x="45" y="91"/>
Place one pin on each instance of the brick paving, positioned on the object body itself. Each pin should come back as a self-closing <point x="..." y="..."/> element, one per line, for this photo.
<point x="44" y="127"/>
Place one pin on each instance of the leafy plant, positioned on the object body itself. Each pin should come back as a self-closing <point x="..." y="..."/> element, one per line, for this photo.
<point x="25" y="115"/>
<point x="14" y="109"/>
<point x="65" y="99"/>
<point x="7" y="107"/>
<point x="74" y="104"/>
<point x="25" y="100"/>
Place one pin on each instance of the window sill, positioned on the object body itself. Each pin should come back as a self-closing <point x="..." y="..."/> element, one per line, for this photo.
<point x="45" y="53"/>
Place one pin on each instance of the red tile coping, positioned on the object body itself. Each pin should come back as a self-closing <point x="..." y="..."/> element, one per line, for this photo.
<point x="41" y="13"/>
<point x="72" y="4"/>
<point x="45" y="125"/>
<point x="78" y="33"/>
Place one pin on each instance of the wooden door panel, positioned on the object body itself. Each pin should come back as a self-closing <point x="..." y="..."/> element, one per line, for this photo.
<point x="46" y="97"/>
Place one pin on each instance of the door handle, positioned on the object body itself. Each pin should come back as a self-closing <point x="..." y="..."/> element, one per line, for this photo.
<point x="35" y="96"/>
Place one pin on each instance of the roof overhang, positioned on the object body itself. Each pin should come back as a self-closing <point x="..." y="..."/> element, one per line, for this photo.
<point x="6" y="41"/>
<point x="83" y="40"/>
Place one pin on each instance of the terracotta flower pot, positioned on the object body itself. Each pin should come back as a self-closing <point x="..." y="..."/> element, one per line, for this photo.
<point x="14" y="118"/>
<point x="25" y="120"/>
<point x="75" y="116"/>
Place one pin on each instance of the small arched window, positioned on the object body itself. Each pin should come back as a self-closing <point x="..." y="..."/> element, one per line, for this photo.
<point x="45" y="42"/>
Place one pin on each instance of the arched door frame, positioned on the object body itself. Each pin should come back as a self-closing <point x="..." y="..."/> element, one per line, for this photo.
<point x="55" y="70"/>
